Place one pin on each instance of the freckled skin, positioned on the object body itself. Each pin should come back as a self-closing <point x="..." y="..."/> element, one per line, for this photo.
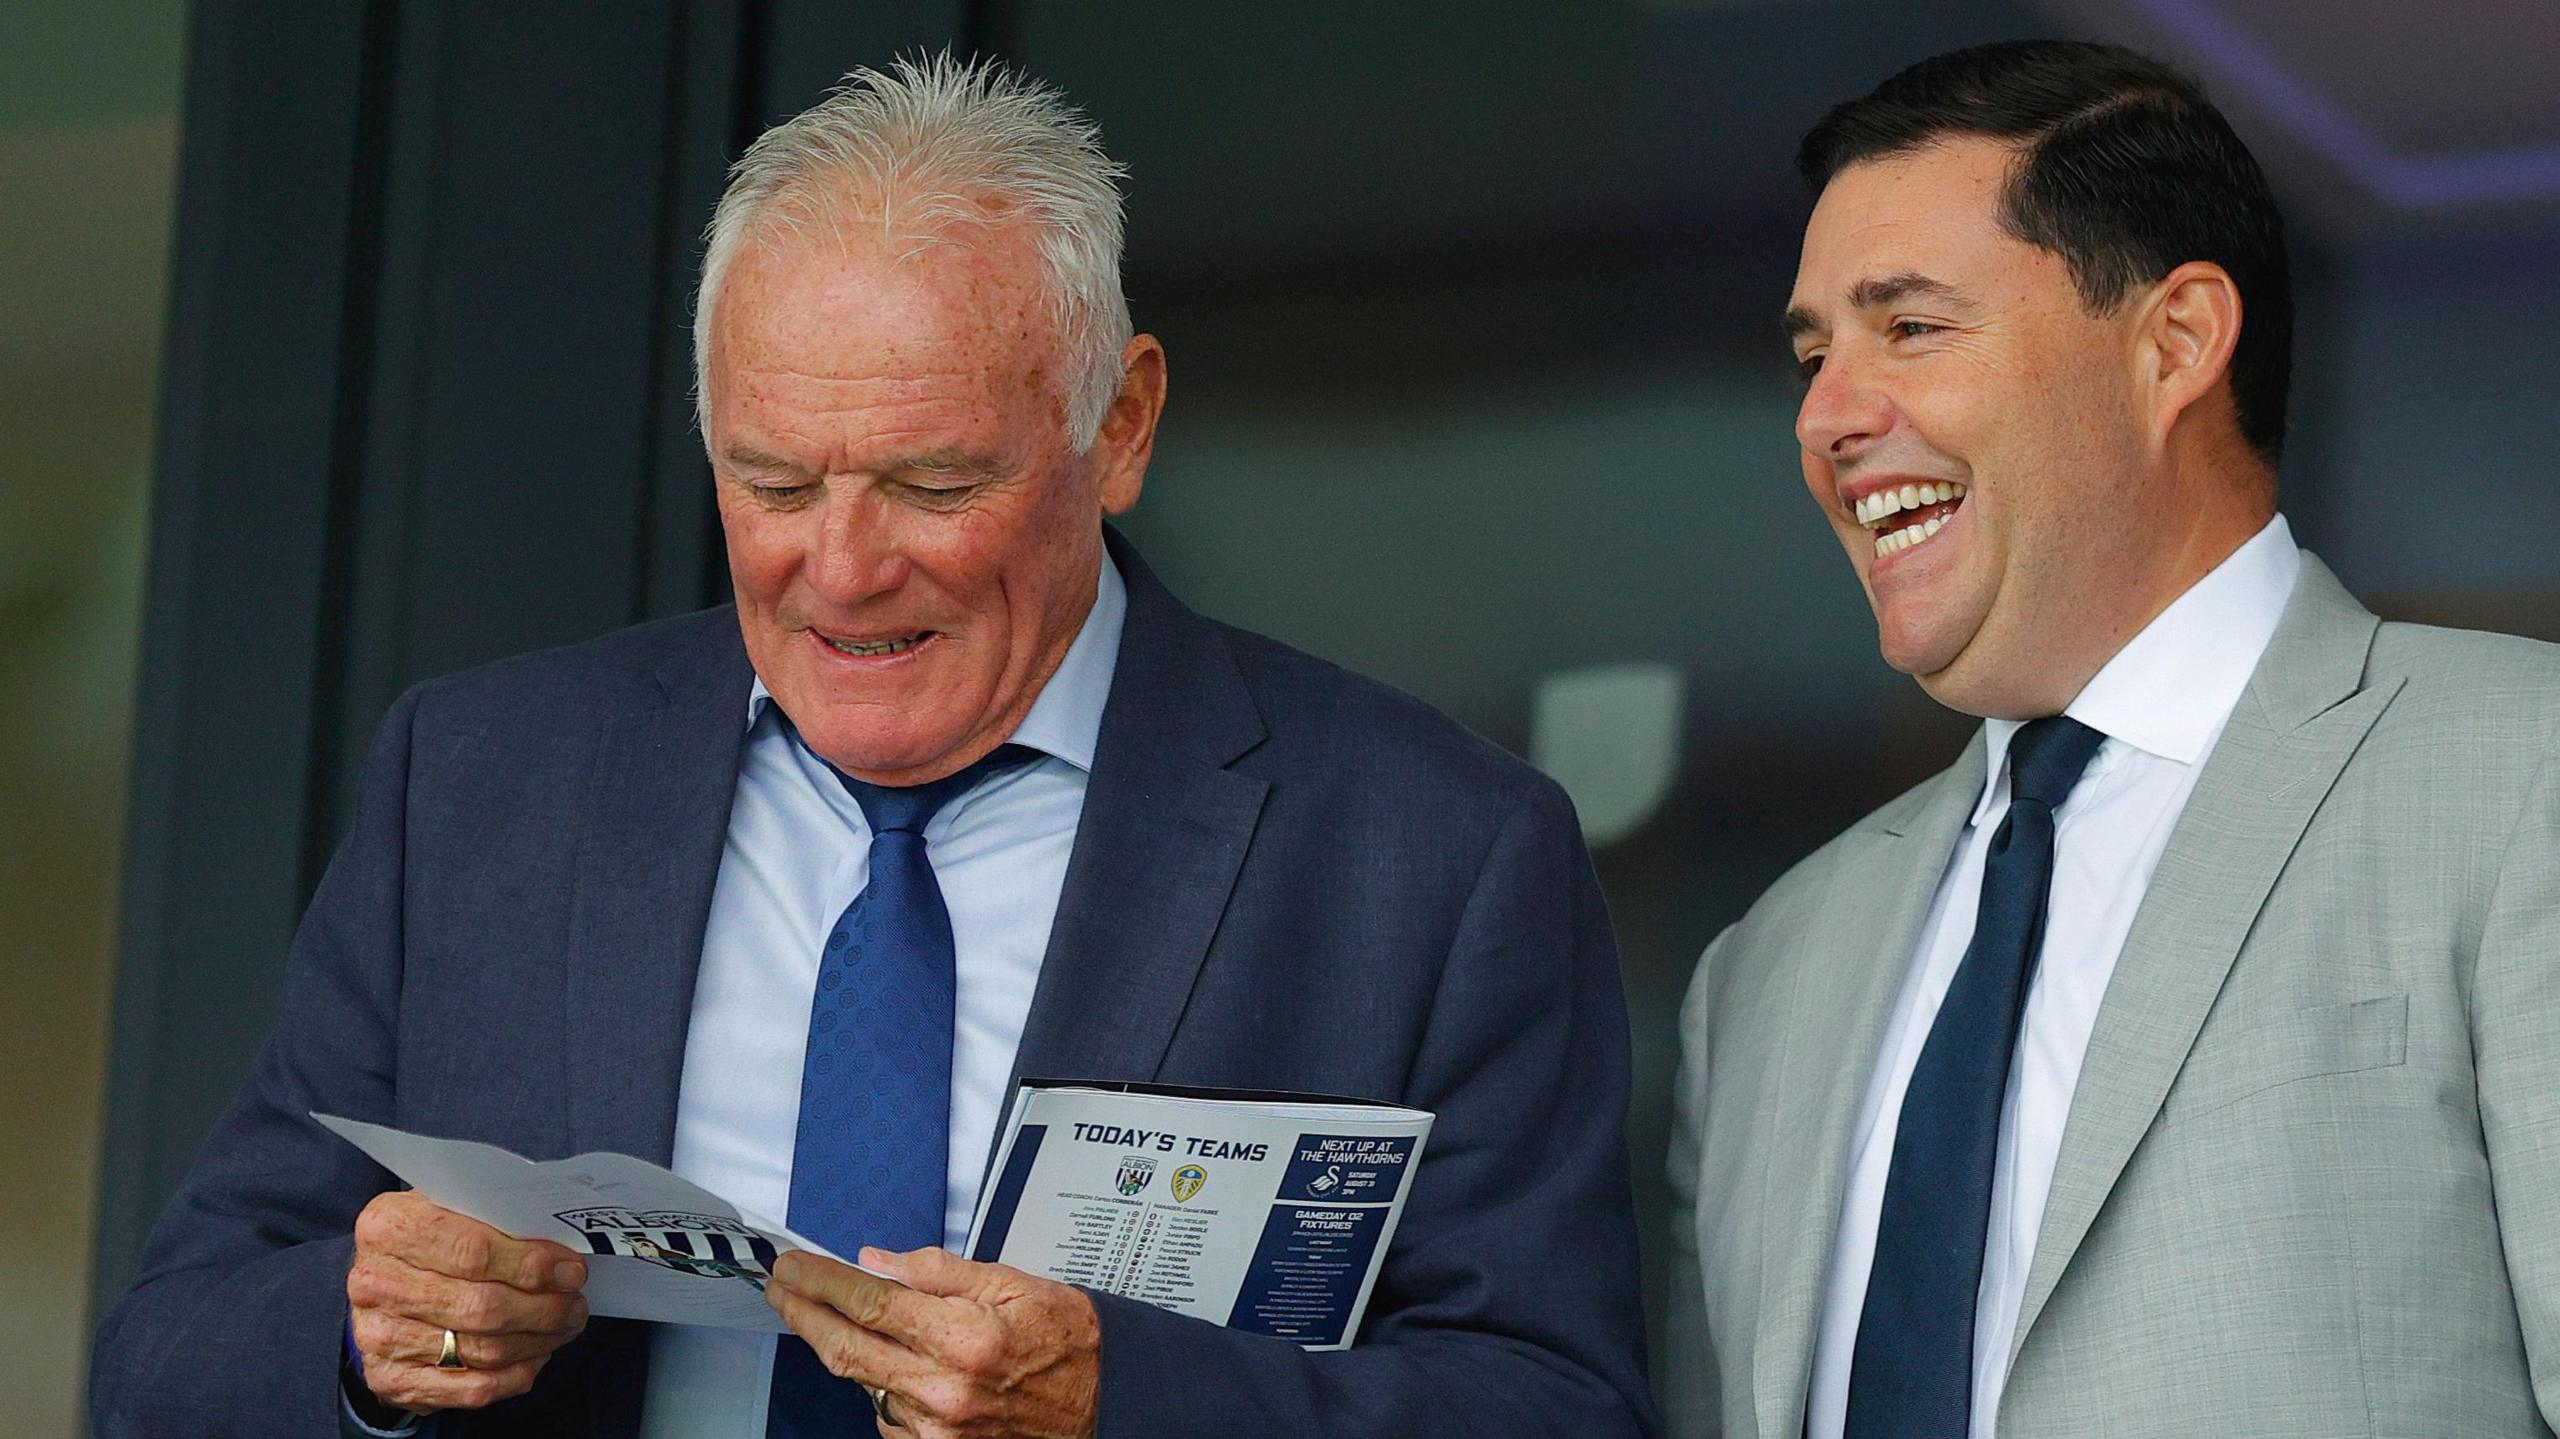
<point x="2104" y="470"/>
<point x="887" y="430"/>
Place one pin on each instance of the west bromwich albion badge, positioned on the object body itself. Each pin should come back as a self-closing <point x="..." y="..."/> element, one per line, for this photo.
<point x="1135" y="1171"/>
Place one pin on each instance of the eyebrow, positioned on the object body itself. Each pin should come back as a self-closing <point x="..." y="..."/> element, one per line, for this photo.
<point x="950" y="461"/>
<point x="947" y="460"/>
<point x="1875" y="291"/>
<point x="747" y="457"/>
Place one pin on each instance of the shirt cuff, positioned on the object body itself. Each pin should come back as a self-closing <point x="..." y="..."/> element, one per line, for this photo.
<point x="354" y="1423"/>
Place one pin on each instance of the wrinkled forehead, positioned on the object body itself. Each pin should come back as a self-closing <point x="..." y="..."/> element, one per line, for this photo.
<point x="825" y="300"/>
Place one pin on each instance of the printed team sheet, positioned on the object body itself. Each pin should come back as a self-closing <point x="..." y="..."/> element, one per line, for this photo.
<point x="1263" y="1212"/>
<point x="661" y="1247"/>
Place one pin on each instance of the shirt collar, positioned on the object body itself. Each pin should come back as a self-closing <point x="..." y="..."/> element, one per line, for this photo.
<point x="2171" y="688"/>
<point x="1066" y="718"/>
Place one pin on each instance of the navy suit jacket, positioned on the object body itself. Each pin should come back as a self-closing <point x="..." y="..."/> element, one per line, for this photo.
<point x="1286" y="877"/>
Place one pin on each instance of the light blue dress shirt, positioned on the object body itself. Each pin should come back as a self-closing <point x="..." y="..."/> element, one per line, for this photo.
<point x="797" y="853"/>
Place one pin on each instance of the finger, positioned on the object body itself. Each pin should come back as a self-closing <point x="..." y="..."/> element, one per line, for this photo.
<point x="958" y="1325"/>
<point x="425" y="1389"/>
<point x="880" y="1305"/>
<point x="392" y="1285"/>
<point x="848" y="1350"/>
<point x="947" y="1314"/>
<point x="432" y="1237"/>
<point x="936" y="1271"/>
<point x="390" y="1339"/>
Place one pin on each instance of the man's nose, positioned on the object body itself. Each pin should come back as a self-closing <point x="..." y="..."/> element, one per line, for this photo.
<point x="858" y="550"/>
<point x="1844" y="412"/>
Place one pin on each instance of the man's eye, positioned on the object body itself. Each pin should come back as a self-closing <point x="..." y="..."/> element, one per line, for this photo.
<point x="1913" y="329"/>
<point x="779" y="494"/>
<point x="1808" y="367"/>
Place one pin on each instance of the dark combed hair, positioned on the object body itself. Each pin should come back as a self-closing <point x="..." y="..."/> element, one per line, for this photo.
<point x="2126" y="171"/>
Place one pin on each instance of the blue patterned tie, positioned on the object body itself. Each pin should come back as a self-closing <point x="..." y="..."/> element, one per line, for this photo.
<point x="1911" y="1373"/>
<point x="874" y="1144"/>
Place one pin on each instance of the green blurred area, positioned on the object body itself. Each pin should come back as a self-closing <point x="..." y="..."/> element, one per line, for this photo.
<point x="88" y="151"/>
<point x="88" y="62"/>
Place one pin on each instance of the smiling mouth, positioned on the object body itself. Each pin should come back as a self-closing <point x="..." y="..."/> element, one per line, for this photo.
<point x="874" y="649"/>
<point x="1908" y="515"/>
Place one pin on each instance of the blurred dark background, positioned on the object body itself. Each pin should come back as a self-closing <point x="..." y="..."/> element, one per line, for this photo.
<point x="378" y="311"/>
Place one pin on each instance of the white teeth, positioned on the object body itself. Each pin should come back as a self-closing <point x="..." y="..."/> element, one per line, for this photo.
<point x="1904" y="538"/>
<point x="1884" y="504"/>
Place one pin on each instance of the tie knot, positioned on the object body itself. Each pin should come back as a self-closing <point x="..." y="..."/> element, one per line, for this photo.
<point x="2046" y="759"/>
<point x="910" y="808"/>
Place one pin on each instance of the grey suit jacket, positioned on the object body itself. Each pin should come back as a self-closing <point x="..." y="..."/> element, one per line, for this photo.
<point x="2310" y="1183"/>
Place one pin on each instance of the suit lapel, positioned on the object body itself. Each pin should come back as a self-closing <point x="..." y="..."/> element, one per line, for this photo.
<point x="1164" y="831"/>
<point x="648" y="856"/>
<point x="2296" y="726"/>
<point x="1844" y="986"/>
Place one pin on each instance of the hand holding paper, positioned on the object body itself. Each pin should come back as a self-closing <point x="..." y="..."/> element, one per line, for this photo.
<point x="421" y="1269"/>
<point x="961" y="1348"/>
<point x="655" y="1245"/>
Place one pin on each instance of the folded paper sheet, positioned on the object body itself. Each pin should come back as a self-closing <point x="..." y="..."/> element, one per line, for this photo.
<point x="660" y="1246"/>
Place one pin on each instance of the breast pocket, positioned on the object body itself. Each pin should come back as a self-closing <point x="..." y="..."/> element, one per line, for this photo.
<point x="2288" y="1049"/>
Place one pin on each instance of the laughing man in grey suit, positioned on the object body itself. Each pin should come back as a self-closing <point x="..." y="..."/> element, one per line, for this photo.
<point x="2184" y="1060"/>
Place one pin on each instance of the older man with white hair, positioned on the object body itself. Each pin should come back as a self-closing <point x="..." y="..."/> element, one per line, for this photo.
<point x="790" y="894"/>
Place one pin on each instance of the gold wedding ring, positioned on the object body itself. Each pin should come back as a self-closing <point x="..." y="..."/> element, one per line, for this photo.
<point x="880" y="1406"/>
<point x="450" y="1357"/>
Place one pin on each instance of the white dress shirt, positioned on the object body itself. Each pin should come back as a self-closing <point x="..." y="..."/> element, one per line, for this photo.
<point x="2161" y="703"/>
<point x="798" y="852"/>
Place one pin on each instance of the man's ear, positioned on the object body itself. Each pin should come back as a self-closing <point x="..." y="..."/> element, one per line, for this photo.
<point x="1127" y="439"/>
<point x="2190" y="324"/>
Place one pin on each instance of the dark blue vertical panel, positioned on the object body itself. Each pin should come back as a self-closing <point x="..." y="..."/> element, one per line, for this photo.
<point x="255" y="385"/>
